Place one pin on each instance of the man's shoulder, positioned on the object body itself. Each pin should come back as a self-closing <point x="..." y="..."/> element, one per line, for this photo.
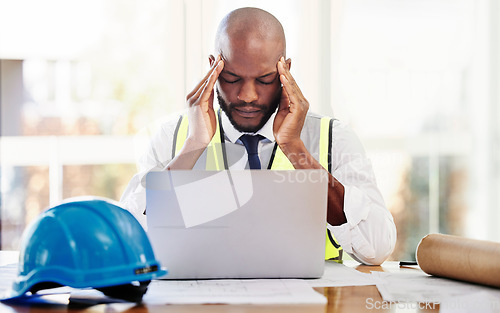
<point x="167" y="123"/>
<point x="343" y="136"/>
<point x="313" y="117"/>
<point x="313" y="122"/>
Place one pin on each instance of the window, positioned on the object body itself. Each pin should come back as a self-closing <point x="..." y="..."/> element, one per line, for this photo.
<point x="417" y="80"/>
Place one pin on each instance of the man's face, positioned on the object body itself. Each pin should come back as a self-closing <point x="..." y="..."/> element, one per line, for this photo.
<point x="249" y="88"/>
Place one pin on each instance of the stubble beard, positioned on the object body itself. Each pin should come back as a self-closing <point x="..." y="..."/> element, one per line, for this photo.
<point x="229" y="107"/>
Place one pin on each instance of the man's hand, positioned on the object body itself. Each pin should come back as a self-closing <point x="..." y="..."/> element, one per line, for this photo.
<point x="201" y="114"/>
<point x="292" y="109"/>
<point x="202" y="122"/>
<point x="287" y="128"/>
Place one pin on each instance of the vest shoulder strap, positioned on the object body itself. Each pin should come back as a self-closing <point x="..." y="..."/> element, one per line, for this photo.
<point x="215" y="159"/>
<point x="279" y="161"/>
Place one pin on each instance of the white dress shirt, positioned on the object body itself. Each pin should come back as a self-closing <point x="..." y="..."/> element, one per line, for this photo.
<point x="369" y="235"/>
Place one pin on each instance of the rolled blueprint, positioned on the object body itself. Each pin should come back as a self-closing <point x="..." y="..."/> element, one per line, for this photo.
<point x="470" y="260"/>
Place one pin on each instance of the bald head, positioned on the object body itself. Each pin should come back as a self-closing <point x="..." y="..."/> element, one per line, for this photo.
<point x="247" y="27"/>
<point x="251" y="42"/>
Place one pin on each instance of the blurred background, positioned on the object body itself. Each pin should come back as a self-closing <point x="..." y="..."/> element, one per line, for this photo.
<point x="416" y="79"/>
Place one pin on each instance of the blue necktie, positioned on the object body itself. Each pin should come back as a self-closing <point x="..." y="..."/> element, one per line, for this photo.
<point x="251" y="143"/>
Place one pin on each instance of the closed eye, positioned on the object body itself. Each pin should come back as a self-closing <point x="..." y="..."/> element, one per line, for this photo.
<point x="265" y="83"/>
<point x="267" y="79"/>
<point x="229" y="81"/>
<point x="264" y="80"/>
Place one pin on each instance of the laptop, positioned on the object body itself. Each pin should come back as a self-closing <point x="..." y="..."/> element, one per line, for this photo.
<point x="238" y="223"/>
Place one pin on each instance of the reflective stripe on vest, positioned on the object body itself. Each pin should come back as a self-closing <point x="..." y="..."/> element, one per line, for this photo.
<point x="216" y="161"/>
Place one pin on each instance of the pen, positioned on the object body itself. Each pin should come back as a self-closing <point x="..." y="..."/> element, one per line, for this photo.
<point x="407" y="263"/>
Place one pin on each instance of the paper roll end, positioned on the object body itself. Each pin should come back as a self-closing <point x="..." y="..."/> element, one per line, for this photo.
<point x="460" y="258"/>
<point x="421" y="253"/>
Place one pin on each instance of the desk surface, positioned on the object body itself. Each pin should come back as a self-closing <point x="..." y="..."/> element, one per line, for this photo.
<point x="340" y="299"/>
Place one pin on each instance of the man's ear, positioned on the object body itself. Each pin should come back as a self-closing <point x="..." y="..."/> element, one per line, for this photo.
<point x="289" y="63"/>
<point x="211" y="59"/>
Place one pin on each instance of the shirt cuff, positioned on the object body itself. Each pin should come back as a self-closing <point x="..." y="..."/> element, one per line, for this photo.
<point x="356" y="205"/>
<point x="369" y="234"/>
<point x="134" y="200"/>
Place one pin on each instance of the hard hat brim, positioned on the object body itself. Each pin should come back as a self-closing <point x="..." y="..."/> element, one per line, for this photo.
<point x="21" y="294"/>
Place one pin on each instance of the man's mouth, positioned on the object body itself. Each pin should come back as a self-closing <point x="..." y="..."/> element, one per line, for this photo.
<point x="247" y="112"/>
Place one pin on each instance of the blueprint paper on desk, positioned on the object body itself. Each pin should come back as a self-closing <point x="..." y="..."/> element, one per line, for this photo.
<point x="417" y="286"/>
<point x="8" y="274"/>
<point x="252" y="291"/>
<point x="259" y="291"/>
<point x="483" y="302"/>
<point x="340" y="275"/>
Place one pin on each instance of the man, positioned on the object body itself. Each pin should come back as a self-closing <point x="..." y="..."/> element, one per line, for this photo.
<point x="263" y="107"/>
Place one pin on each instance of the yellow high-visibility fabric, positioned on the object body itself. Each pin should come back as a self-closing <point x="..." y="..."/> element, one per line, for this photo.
<point x="280" y="161"/>
<point x="215" y="157"/>
<point x="215" y="161"/>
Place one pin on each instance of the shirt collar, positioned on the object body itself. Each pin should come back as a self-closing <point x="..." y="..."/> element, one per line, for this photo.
<point x="233" y="135"/>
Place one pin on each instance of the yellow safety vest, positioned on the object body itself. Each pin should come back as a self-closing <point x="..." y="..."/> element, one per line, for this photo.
<point x="217" y="161"/>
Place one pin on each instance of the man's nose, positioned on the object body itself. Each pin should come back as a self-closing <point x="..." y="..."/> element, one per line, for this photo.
<point x="248" y="93"/>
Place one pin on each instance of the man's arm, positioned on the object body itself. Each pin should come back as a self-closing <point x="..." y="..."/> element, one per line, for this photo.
<point x="288" y="125"/>
<point x="202" y="124"/>
<point x="356" y="213"/>
<point x="154" y="158"/>
<point x="370" y="233"/>
<point x="302" y="159"/>
<point x="202" y="121"/>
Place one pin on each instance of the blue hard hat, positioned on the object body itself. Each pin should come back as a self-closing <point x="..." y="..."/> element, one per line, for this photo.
<point x="86" y="243"/>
